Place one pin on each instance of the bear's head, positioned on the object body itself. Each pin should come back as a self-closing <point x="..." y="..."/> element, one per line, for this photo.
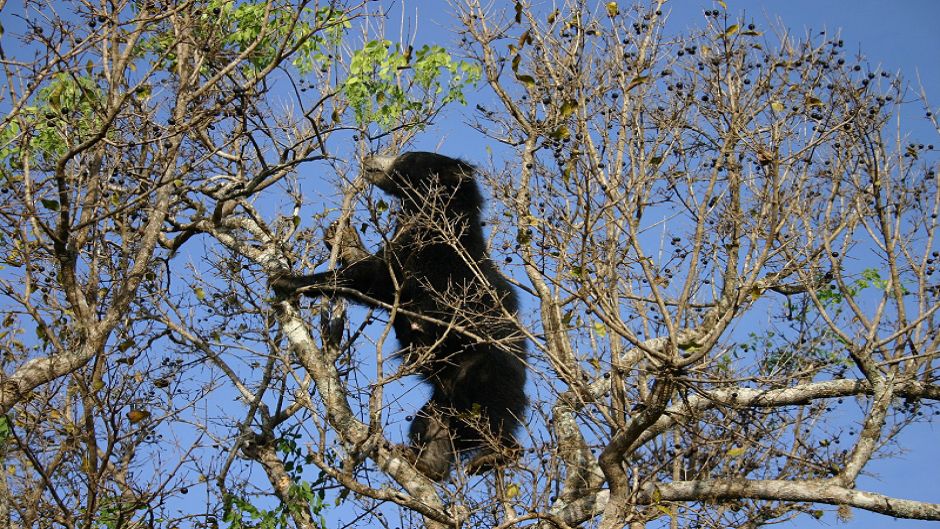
<point x="420" y="178"/>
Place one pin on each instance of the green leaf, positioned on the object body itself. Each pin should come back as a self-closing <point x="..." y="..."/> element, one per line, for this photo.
<point x="143" y="91"/>
<point x="812" y="101"/>
<point x="777" y="106"/>
<point x="379" y="91"/>
<point x="664" y="509"/>
<point x="568" y="108"/>
<point x="525" y="38"/>
<point x="636" y="81"/>
<point x="560" y="133"/>
<point x="527" y="80"/>
<point x="512" y="491"/>
<point x="48" y="203"/>
<point x="5" y="429"/>
<point x="135" y="416"/>
<point x="568" y="171"/>
<point x="200" y="293"/>
<point x="732" y="29"/>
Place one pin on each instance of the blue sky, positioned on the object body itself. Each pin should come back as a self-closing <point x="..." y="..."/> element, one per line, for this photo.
<point x="901" y="36"/>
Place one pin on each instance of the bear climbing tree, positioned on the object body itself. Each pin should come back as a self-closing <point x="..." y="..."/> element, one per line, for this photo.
<point x="454" y="312"/>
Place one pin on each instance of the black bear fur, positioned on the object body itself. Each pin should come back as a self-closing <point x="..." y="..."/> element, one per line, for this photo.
<point x="453" y="310"/>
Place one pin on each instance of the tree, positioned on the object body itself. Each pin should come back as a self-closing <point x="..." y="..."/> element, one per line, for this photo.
<point x="672" y="192"/>
<point x="725" y="255"/>
<point x="129" y="130"/>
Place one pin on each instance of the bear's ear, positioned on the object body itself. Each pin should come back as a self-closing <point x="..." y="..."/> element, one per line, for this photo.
<point x="466" y="169"/>
<point x="454" y="172"/>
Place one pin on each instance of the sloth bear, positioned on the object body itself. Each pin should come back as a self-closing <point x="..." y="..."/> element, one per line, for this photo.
<point x="453" y="311"/>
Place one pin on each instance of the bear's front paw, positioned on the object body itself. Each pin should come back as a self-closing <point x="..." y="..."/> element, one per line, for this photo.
<point x="350" y="245"/>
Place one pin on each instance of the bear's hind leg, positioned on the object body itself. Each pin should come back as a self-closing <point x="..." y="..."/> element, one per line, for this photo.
<point x="432" y="442"/>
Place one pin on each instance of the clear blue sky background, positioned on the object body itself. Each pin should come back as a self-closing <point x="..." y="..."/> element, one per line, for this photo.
<point x="899" y="36"/>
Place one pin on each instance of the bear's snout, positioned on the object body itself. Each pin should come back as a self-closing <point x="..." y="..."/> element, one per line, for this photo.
<point x="377" y="168"/>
